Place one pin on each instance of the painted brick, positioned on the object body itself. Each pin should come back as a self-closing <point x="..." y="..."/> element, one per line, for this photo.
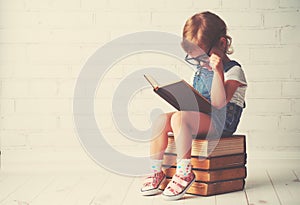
<point x="290" y="35"/>
<point x="11" y="5"/>
<point x="13" y="88"/>
<point x="33" y="5"/>
<point x="44" y="54"/>
<point x="40" y="88"/>
<point x="7" y="70"/>
<point x="54" y="19"/>
<point x="66" y="88"/>
<point x="13" y="139"/>
<point x="122" y="19"/>
<point x="268" y="72"/>
<point x="264" y="90"/>
<point x="295" y="72"/>
<point x="25" y="122"/>
<point x="65" y="20"/>
<point x="208" y="5"/>
<point x="95" y="4"/>
<point x="130" y="5"/>
<point x="179" y="5"/>
<point x="241" y="54"/>
<point x="51" y="106"/>
<point x="255" y="36"/>
<point x="154" y="5"/>
<point x="44" y="45"/>
<point x="20" y="19"/>
<point x="268" y="106"/>
<point x="281" y="19"/>
<point x="266" y="4"/>
<point x="66" y="122"/>
<point x="296" y="106"/>
<point x="170" y="18"/>
<point x="7" y="106"/>
<point x="279" y="55"/>
<point x="290" y="122"/>
<point x="52" y="138"/>
<point x="44" y="35"/>
<point x="289" y="3"/>
<point x="285" y="140"/>
<point x="228" y="4"/>
<point x="12" y="54"/>
<point x="242" y="19"/>
<point x="259" y="122"/>
<point x="40" y="71"/>
<point x="291" y="89"/>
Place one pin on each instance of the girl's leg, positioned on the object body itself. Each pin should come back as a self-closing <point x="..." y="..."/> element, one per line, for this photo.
<point x="159" y="141"/>
<point x="158" y="144"/>
<point x="185" y="124"/>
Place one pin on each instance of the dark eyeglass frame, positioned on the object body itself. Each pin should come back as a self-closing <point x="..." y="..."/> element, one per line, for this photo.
<point x="199" y="58"/>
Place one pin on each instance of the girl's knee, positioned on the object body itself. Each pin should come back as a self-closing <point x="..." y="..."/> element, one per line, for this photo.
<point x="161" y="124"/>
<point x="163" y="119"/>
<point x="178" y="119"/>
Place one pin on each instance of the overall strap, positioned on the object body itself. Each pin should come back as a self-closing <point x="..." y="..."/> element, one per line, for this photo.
<point x="229" y="65"/>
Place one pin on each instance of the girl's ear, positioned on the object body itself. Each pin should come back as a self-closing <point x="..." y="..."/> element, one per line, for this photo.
<point x="223" y="43"/>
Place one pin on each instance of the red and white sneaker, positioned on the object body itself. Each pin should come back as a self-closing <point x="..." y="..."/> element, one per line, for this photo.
<point x="178" y="186"/>
<point x="151" y="184"/>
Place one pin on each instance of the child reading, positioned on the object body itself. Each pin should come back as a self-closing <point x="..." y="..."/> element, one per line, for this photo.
<point x="220" y="80"/>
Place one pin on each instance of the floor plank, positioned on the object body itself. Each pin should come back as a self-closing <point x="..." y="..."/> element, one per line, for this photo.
<point x="11" y="184"/>
<point x="57" y="191"/>
<point x="238" y="197"/>
<point x="196" y="200"/>
<point x="259" y="189"/>
<point x="286" y="184"/>
<point x="85" y="190"/>
<point x="114" y="190"/>
<point x="29" y="190"/>
<point x="273" y="183"/>
<point x="188" y="199"/>
<point x="134" y="197"/>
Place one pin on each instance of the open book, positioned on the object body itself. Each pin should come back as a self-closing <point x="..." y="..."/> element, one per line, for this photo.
<point x="181" y="96"/>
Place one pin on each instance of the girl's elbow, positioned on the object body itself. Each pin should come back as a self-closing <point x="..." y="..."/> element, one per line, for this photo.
<point x="219" y="105"/>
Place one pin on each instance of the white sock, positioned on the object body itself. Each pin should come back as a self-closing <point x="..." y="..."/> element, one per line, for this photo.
<point x="184" y="167"/>
<point x="156" y="165"/>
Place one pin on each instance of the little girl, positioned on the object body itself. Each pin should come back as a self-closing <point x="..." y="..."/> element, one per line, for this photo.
<point x="220" y="80"/>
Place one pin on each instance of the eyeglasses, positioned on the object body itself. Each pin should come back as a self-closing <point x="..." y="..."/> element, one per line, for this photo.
<point x="204" y="58"/>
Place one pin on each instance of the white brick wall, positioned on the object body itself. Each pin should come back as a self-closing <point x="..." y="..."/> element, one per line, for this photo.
<point x="45" y="43"/>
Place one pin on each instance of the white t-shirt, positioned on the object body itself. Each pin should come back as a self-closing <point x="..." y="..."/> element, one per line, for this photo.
<point x="237" y="73"/>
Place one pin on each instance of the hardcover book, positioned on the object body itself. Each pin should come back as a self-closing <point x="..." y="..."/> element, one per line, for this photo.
<point x="181" y="96"/>
<point x="212" y="163"/>
<point x="214" y="147"/>
<point x="214" y="175"/>
<point x="208" y="189"/>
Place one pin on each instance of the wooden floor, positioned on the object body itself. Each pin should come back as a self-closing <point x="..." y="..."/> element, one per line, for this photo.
<point x="274" y="182"/>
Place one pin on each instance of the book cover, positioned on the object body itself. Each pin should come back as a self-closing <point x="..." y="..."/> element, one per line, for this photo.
<point x="212" y="163"/>
<point x="208" y="189"/>
<point x="214" y="175"/>
<point x="214" y="147"/>
<point x="181" y="95"/>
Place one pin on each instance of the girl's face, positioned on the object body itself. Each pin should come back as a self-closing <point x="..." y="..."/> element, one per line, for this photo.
<point x="197" y="56"/>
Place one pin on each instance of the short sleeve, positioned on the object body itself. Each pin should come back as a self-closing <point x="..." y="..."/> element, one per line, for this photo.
<point x="236" y="73"/>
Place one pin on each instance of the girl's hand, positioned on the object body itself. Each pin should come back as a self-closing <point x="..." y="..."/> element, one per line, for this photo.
<point x="215" y="63"/>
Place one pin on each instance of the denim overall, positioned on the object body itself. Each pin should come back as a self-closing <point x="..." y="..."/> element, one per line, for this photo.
<point x="225" y="120"/>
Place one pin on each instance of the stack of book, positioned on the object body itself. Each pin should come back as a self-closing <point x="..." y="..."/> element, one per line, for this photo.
<point x="219" y="164"/>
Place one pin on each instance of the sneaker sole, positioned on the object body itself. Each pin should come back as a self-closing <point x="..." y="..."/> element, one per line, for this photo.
<point x="178" y="196"/>
<point x="153" y="191"/>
